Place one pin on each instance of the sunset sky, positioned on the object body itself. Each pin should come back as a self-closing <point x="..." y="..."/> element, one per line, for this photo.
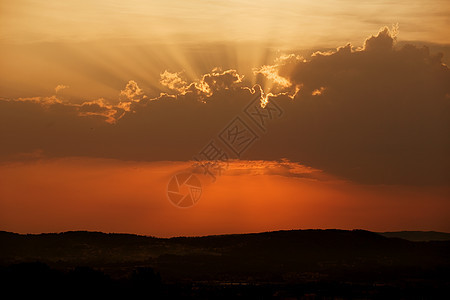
<point x="340" y="110"/>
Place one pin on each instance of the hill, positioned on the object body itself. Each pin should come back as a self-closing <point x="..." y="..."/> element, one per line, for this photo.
<point x="295" y="257"/>
<point x="418" y="236"/>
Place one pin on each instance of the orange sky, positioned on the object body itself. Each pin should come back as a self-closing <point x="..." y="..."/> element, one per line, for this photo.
<point x="116" y="196"/>
<point x="95" y="47"/>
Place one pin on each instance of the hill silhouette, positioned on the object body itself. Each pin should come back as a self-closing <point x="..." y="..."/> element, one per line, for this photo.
<point x="306" y="258"/>
<point x="418" y="236"/>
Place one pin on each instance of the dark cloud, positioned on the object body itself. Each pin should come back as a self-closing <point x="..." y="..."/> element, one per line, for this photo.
<point x="383" y="114"/>
<point x="376" y="114"/>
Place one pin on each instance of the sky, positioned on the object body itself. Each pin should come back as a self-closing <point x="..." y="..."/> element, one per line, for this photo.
<point x="258" y="115"/>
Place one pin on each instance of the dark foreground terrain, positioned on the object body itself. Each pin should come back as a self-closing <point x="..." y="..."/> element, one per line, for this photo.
<point x="297" y="264"/>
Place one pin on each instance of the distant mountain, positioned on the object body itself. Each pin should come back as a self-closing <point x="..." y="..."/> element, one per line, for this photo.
<point x="418" y="236"/>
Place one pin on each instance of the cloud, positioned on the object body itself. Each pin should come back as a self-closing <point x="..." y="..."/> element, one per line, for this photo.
<point x="271" y="72"/>
<point x="217" y="81"/>
<point x="378" y="113"/>
<point x="100" y="108"/>
<point x="60" y="87"/>
<point x="383" y="41"/>
<point x="281" y="167"/>
<point x="209" y="83"/>
<point x="44" y="101"/>
<point x="132" y="92"/>
<point x="173" y="81"/>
